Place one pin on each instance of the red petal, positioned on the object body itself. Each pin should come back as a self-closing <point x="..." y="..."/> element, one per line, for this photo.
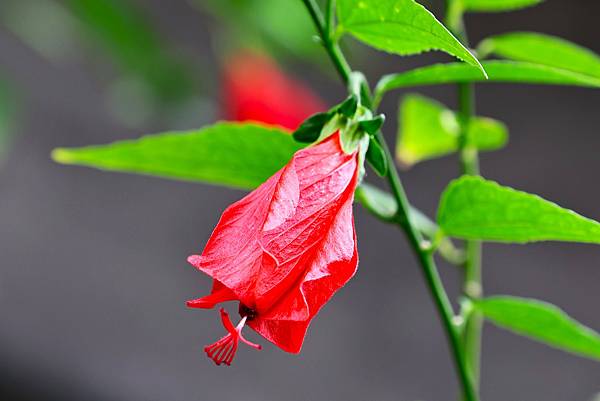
<point x="329" y="271"/>
<point x="219" y="294"/>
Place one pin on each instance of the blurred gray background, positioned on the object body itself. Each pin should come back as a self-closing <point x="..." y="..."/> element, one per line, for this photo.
<point x="93" y="278"/>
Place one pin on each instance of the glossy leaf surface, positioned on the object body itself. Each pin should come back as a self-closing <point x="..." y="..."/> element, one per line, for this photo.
<point x="231" y="154"/>
<point x="401" y="27"/>
<point x="542" y="322"/>
<point x="475" y="208"/>
<point x="498" y="71"/>
<point x="542" y="49"/>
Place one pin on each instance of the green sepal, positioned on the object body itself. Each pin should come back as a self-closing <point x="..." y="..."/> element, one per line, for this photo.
<point x="310" y="130"/>
<point x="350" y="138"/>
<point x="363" y="147"/>
<point x="372" y="126"/>
<point x="376" y="158"/>
<point x="348" y="107"/>
<point x="336" y="123"/>
<point x="356" y="81"/>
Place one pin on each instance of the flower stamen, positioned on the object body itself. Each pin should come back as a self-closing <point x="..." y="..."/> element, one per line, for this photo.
<point x="224" y="349"/>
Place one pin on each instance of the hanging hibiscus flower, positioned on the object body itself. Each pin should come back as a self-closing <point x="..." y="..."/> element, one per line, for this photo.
<point x="284" y="249"/>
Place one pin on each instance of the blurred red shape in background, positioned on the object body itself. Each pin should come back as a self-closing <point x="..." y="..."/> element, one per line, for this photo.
<point x="254" y="88"/>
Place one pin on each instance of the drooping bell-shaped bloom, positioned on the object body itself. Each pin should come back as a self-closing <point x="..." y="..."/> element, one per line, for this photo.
<point x="284" y="249"/>
<point x="254" y="88"/>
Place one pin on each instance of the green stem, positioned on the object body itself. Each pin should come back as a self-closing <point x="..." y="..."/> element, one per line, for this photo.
<point x="473" y="325"/>
<point x="330" y="18"/>
<point x="469" y="157"/>
<point x="338" y="59"/>
<point x="469" y="160"/>
<point x="333" y="49"/>
<point x="421" y="248"/>
<point x="472" y="284"/>
<point x="432" y="278"/>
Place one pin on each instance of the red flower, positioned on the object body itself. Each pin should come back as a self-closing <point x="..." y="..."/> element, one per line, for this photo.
<point x="255" y="89"/>
<point x="284" y="249"/>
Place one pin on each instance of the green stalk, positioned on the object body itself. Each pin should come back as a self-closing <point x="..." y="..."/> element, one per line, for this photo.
<point x="425" y="256"/>
<point x="421" y="248"/>
<point x="469" y="160"/>
<point x="469" y="157"/>
<point x="472" y="284"/>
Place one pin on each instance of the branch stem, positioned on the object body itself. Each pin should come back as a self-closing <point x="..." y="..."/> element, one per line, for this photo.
<point x="472" y="283"/>
<point x="420" y="247"/>
<point x="469" y="161"/>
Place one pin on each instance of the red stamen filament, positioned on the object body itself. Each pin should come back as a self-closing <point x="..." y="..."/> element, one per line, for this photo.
<point x="223" y="351"/>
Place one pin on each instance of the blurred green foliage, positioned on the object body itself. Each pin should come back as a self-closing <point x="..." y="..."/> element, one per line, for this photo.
<point x="281" y="27"/>
<point x="6" y="116"/>
<point x="150" y="80"/>
<point x="427" y="130"/>
<point x="133" y="43"/>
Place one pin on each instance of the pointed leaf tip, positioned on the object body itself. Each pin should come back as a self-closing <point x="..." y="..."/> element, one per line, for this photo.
<point x="241" y="155"/>
<point x="402" y="27"/>
<point x="62" y="156"/>
<point x="498" y="70"/>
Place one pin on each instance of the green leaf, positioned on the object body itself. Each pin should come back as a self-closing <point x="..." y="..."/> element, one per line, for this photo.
<point x="542" y="322"/>
<point x="498" y="71"/>
<point x="230" y="154"/>
<point x="475" y="208"/>
<point x="542" y="49"/>
<point x="310" y="130"/>
<point x="375" y="200"/>
<point x="376" y="158"/>
<point x="382" y="204"/>
<point x="497" y="5"/>
<point x="429" y="130"/>
<point x="401" y="27"/>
